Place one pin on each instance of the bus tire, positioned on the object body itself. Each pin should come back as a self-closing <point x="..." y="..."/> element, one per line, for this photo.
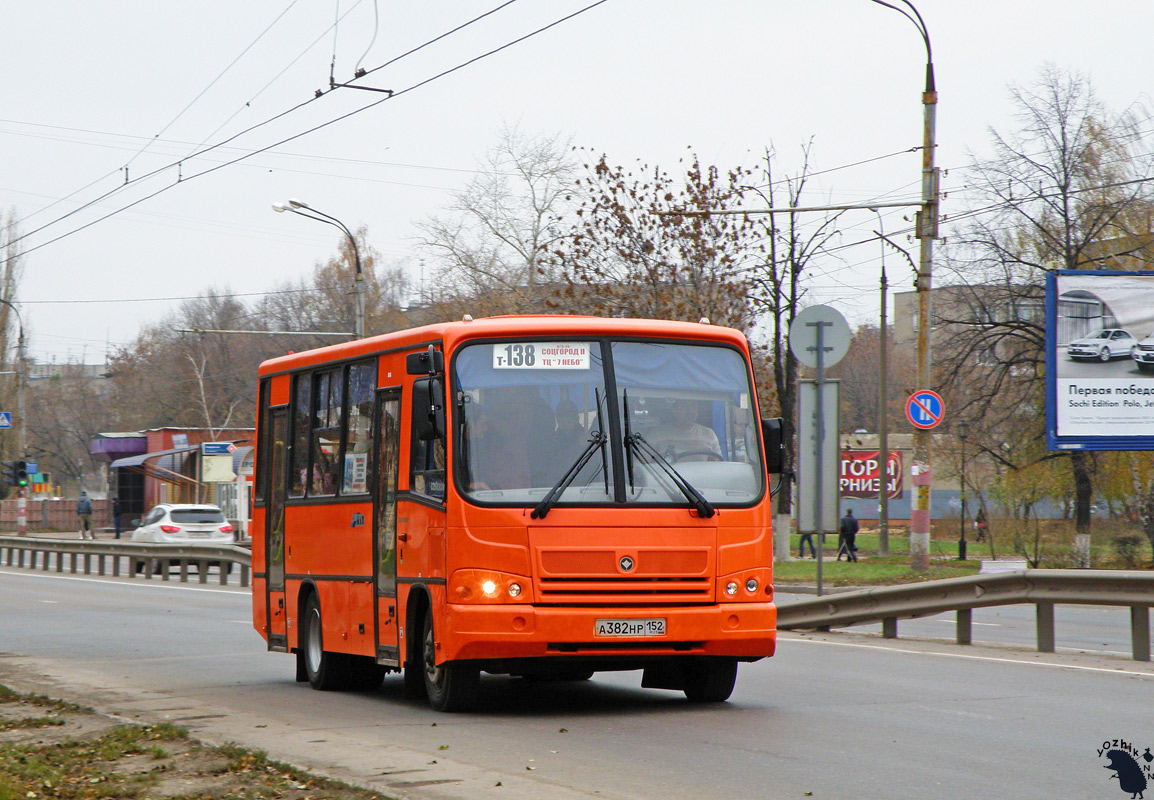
<point x="449" y="687"/>
<point x="710" y="680"/>
<point x="325" y="671"/>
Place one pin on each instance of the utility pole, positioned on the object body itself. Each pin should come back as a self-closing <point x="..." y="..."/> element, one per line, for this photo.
<point x="927" y="230"/>
<point x="921" y="475"/>
<point x="22" y="411"/>
<point x="883" y="427"/>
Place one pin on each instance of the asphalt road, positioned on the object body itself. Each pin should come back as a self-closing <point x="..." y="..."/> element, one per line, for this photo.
<point x="839" y="715"/>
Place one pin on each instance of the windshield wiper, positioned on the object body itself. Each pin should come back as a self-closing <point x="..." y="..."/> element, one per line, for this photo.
<point x="628" y="439"/>
<point x="597" y="439"/>
<point x="647" y="451"/>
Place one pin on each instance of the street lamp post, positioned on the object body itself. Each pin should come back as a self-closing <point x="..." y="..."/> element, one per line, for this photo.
<point x="962" y="430"/>
<point x="21" y="391"/>
<point x="927" y="231"/>
<point x="295" y="206"/>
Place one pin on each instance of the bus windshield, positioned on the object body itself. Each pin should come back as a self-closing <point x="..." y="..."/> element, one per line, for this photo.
<point x="532" y="416"/>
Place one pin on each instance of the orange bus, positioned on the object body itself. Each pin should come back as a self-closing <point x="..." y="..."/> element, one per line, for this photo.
<point x="539" y="496"/>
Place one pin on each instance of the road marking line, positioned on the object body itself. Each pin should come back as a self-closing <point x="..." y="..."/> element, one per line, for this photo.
<point x="972" y="657"/>
<point x="143" y="583"/>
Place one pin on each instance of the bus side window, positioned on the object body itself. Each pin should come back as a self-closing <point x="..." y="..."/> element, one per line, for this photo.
<point x="327" y="424"/>
<point x="301" y="429"/>
<point x="362" y="384"/>
<point x="427" y="458"/>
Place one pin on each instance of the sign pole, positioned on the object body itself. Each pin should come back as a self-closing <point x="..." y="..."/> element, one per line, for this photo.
<point x="819" y="428"/>
<point x="819" y="337"/>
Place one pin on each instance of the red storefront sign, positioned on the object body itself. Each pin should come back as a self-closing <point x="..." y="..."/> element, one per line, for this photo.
<point x="860" y="473"/>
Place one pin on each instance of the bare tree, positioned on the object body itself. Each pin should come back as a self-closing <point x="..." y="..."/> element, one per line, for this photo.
<point x="861" y="384"/>
<point x="72" y="407"/>
<point x="168" y="378"/>
<point x="489" y="243"/>
<point x="325" y="300"/>
<point x="1068" y="188"/>
<point x="789" y="243"/>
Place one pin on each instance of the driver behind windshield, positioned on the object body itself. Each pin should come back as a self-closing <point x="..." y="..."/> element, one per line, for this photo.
<point x="681" y="438"/>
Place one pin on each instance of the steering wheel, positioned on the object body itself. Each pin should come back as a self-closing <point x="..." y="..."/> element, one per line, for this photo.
<point x="712" y="456"/>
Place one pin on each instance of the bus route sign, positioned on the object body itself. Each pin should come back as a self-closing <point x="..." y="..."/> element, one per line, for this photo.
<point x="925" y="409"/>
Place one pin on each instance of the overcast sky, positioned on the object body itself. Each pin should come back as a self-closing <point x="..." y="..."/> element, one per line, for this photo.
<point x="95" y="93"/>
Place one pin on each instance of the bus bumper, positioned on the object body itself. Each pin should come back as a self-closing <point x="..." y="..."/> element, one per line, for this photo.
<point x="483" y="632"/>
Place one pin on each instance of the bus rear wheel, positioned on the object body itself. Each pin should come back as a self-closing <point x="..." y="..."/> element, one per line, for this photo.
<point x="325" y="671"/>
<point x="710" y="680"/>
<point x="449" y="687"/>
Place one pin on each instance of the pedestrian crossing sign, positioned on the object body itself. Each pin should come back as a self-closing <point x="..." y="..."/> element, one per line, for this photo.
<point x="5" y="419"/>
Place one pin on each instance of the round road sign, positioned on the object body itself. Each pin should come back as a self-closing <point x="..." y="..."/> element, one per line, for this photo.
<point x="925" y="409"/>
<point x="803" y="335"/>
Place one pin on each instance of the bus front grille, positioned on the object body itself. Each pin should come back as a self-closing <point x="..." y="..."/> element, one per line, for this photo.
<point x="662" y="589"/>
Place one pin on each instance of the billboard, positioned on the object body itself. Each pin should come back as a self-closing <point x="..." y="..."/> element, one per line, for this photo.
<point x="1099" y="360"/>
<point x="860" y="473"/>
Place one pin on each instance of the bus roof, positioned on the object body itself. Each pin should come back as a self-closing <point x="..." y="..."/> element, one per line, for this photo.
<point x="449" y="334"/>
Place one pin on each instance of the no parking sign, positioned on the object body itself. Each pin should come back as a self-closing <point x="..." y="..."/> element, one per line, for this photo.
<point x="925" y="409"/>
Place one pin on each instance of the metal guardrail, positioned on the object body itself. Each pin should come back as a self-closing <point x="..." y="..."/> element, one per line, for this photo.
<point x="131" y="559"/>
<point x="1043" y="588"/>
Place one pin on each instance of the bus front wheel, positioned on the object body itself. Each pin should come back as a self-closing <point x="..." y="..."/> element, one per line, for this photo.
<point x="710" y="680"/>
<point x="449" y="687"/>
<point x="325" y="671"/>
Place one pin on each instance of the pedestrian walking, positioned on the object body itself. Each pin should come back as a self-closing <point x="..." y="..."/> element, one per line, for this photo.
<point x="116" y="516"/>
<point x="84" y="511"/>
<point x="847" y="538"/>
<point x="980" y="524"/>
<point x="806" y="538"/>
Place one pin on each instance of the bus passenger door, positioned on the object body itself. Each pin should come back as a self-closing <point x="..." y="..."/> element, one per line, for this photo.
<point x="388" y="449"/>
<point x="274" y="533"/>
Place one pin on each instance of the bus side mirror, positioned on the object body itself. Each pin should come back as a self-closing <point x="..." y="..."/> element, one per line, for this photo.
<point x="774" y="451"/>
<point x="429" y="362"/>
<point x="429" y="409"/>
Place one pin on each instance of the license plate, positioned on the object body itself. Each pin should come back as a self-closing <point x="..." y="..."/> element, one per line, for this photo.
<point x="629" y="627"/>
<point x="198" y="535"/>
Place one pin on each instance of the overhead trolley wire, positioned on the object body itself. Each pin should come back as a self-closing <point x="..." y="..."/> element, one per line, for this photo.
<point x="288" y="139"/>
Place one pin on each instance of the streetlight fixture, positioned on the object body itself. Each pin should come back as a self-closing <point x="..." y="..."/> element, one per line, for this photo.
<point x="303" y="209"/>
<point x="962" y="431"/>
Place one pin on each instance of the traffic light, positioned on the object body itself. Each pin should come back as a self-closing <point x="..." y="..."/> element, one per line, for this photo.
<point x="16" y="473"/>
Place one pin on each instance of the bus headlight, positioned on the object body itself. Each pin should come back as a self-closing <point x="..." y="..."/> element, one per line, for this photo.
<point x="486" y="586"/>
<point x="748" y="586"/>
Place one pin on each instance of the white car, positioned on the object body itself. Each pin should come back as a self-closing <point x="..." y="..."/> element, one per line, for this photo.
<point x="1143" y="353"/>
<point x="173" y="523"/>
<point x="1104" y="345"/>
